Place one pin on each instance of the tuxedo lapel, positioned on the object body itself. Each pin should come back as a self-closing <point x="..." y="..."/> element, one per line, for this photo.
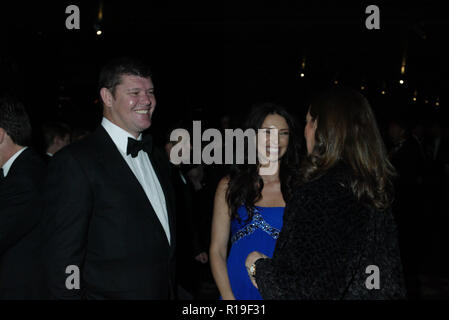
<point x="164" y="180"/>
<point x="111" y="159"/>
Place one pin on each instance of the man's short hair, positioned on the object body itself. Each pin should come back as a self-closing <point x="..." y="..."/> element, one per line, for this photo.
<point x="51" y="130"/>
<point x="110" y="75"/>
<point x="14" y="120"/>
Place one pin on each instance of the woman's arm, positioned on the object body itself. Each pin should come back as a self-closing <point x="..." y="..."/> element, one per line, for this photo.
<point x="221" y="222"/>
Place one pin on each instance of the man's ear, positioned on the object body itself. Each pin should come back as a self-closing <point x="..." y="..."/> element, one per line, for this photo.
<point x="168" y="147"/>
<point x="56" y="141"/>
<point x="107" y="97"/>
<point x="2" y="135"/>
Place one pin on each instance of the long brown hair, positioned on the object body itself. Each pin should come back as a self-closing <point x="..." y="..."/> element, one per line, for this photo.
<point x="245" y="184"/>
<point x="347" y="132"/>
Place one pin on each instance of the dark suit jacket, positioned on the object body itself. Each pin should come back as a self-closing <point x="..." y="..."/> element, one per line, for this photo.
<point x="187" y="236"/>
<point x="98" y="218"/>
<point x="47" y="158"/>
<point x="20" y="213"/>
<point x="409" y="164"/>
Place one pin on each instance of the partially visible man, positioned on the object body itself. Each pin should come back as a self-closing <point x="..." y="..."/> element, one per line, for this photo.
<point x="190" y="251"/>
<point x="21" y="174"/>
<point x="56" y="136"/>
<point x="109" y="204"/>
<point x="409" y="206"/>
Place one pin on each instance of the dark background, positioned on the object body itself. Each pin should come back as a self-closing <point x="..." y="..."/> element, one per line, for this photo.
<point x="220" y="57"/>
<point x="215" y="58"/>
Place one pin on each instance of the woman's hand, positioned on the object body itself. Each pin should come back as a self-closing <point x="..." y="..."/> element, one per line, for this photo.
<point x="252" y="258"/>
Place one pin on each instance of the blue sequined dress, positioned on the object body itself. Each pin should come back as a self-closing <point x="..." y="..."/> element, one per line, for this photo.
<point x="259" y="234"/>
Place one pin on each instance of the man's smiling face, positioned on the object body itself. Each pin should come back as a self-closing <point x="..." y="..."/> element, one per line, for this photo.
<point x="132" y="104"/>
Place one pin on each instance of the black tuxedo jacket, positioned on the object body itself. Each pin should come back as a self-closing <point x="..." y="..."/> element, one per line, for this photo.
<point x="98" y="218"/>
<point x="20" y="213"/>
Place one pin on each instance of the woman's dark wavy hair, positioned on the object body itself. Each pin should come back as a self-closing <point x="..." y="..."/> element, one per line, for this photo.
<point x="245" y="184"/>
<point x="347" y="131"/>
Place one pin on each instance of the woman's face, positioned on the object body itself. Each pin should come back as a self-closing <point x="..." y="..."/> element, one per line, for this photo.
<point x="309" y="132"/>
<point x="276" y="145"/>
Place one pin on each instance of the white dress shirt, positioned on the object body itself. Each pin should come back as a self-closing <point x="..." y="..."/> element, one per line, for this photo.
<point x="143" y="170"/>
<point x="8" y="164"/>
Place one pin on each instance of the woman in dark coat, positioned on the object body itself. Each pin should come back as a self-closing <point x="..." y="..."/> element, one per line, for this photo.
<point x="339" y="239"/>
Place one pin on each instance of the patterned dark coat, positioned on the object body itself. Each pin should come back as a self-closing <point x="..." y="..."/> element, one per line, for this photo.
<point x="328" y="241"/>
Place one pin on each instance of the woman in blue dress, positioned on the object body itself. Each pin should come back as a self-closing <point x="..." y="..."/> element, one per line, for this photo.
<point x="250" y="200"/>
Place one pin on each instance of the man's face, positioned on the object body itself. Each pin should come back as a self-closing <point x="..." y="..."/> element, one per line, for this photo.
<point x="395" y="132"/>
<point x="61" y="142"/>
<point x="309" y="132"/>
<point x="133" y="104"/>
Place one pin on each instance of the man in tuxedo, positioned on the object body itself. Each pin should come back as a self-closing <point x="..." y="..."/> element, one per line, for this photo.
<point x="21" y="173"/>
<point x="190" y="252"/>
<point x="56" y="137"/>
<point x="109" y="217"/>
<point x="409" y="206"/>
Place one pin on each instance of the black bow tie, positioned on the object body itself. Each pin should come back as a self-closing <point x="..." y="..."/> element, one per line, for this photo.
<point x="134" y="146"/>
<point x="2" y="176"/>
